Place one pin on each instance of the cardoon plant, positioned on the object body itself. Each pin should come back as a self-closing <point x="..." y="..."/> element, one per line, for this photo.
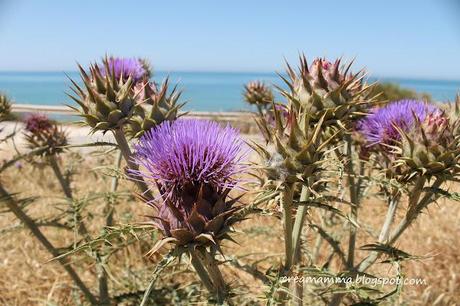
<point x="293" y="165"/>
<point x="330" y="90"/>
<point x="119" y="97"/>
<point x="415" y="145"/>
<point x="107" y="103"/>
<point x="45" y="139"/>
<point x="194" y="165"/>
<point x="5" y="107"/>
<point x="50" y="140"/>
<point x="324" y="99"/>
<point x="40" y="132"/>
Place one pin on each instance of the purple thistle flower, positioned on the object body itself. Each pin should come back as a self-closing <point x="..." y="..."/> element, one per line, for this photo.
<point x="190" y="153"/>
<point x="36" y="123"/>
<point x="126" y="67"/>
<point x="379" y="126"/>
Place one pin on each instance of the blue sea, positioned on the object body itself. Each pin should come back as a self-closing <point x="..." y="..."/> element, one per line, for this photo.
<point x="204" y="91"/>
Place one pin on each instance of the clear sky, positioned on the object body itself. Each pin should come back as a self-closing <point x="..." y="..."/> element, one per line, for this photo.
<point x="402" y="38"/>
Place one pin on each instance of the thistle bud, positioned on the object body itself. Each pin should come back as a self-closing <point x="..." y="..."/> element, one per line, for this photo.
<point x="158" y="105"/>
<point x="107" y="100"/>
<point x="123" y="68"/>
<point x="40" y="132"/>
<point x="412" y="138"/>
<point x="257" y="93"/>
<point x="298" y="148"/>
<point x="326" y="89"/>
<point x="193" y="164"/>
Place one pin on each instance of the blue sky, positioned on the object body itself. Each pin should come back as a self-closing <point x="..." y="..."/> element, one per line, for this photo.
<point x="391" y="38"/>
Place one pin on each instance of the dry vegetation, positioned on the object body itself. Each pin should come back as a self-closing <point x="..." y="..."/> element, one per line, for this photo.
<point x="27" y="278"/>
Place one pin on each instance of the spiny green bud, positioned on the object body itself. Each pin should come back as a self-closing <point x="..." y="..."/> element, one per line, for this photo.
<point x="297" y="148"/>
<point x="430" y="148"/>
<point x="106" y="102"/>
<point x="257" y="93"/>
<point x="158" y="104"/>
<point x="328" y="90"/>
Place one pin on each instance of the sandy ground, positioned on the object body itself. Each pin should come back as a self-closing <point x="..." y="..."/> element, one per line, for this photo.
<point x="434" y="237"/>
<point x="76" y="134"/>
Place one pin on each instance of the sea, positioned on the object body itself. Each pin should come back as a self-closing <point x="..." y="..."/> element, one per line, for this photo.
<point x="203" y="91"/>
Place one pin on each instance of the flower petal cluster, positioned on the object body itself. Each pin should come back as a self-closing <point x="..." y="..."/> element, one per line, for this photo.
<point x="382" y="124"/>
<point x="41" y="132"/>
<point x="194" y="164"/>
<point x="125" y="67"/>
<point x="36" y="123"/>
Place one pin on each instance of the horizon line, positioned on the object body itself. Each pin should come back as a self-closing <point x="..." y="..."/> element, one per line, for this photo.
<point x="273" y="72"/>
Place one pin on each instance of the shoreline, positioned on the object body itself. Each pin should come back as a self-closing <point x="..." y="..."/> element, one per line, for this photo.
<point x="19" y="108"/>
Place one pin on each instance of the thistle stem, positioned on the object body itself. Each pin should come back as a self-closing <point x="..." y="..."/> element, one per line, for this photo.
<point x="200" y="270"/>
<point x="215" y="274"/>
<point x="113" y="189"/>
<point x="286" y="204"/>
<point x="62" y="181"/>
<point x="30" y="223"/>
<point x="299" y="221"/>
<point x="354" y="200"/>
<point x="392" y="205"/>
<point x="297" y="287"/>
<point x="104" y="296"/>
<point x="405" y="222"/>
<point x="127" y="155"/>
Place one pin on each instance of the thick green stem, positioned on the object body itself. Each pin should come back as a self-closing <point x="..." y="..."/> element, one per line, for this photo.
<point x="286" y="204"/>
<point x="302" y="209"/>
<point x="300" y="220"/>
<point x="30" y="223"/>
<point x="215" y="274"/>
<point x="354" y="189"/>
<point x="127" y="155"/>
<point x="113" y="189"/>
<point x="393" y="201"/>
<point x="200" y="270"/>
<point x="406" y="221"/>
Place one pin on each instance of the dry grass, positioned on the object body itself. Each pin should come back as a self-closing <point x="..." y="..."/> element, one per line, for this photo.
<point x="27" y="278"/>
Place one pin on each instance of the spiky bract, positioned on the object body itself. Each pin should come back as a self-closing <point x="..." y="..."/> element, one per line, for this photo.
<point x="158" y="105"/>
<point x="106" y="101"/>
<point x="257" y="93"/>
<point x="298" y="150"/>
<point x="411" y="138"/>
<point x="42" y="133"/>
<point x="328" y="90"/>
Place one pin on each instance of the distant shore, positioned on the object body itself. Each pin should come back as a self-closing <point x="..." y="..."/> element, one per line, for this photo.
<point x="82" y="134"/>
<point x="203" y="91"/>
